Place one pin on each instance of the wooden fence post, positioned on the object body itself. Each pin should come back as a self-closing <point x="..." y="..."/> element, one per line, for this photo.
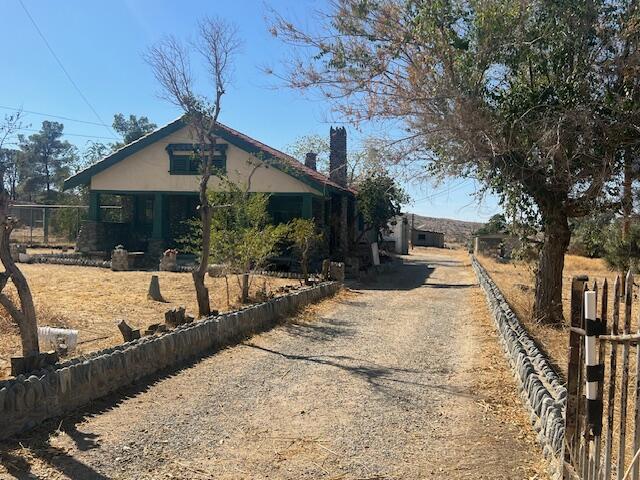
<point x="571" y="443"/>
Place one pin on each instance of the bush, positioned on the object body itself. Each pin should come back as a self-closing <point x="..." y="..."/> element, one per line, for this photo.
<point x="622" y="254"/>
<point x="589" y="235"/>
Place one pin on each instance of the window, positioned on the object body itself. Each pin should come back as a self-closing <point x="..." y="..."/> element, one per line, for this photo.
<point x="184" y="158"/>
<point x="422" y="236"/>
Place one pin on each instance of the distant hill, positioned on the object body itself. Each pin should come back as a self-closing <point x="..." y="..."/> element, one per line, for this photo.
<point x="455" y="231"/>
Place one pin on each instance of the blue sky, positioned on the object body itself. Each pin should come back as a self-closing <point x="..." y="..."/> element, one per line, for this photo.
<point x="101" y="44"/>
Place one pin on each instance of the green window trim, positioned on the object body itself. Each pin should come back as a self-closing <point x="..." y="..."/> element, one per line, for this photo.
<point x="188" y="161"/>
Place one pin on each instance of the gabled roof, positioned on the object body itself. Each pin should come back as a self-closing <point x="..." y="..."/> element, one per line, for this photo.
<point x="274" y="157"/>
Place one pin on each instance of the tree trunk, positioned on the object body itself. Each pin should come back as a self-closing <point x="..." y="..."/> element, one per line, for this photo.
<point x="202" y="292"/>
<point x="548" y="300"/>
<point x="627" y="197"/>
<point x="25" y="316"/>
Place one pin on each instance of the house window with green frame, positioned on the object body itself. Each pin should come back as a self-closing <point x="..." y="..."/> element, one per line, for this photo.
<point x="184" y="158"/>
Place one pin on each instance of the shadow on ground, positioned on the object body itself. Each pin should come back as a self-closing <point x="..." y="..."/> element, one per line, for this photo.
<point x="388" y="380"/>
<point x="410" y="275"/>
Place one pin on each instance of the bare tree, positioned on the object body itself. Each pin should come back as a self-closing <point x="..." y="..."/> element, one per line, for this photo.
<point x="170" y="61"/>
<point x="24" y="314"/>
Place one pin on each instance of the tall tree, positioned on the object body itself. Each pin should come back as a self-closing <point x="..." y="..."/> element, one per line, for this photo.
<point x="46" y="158"/>
<point x="131" y="128"/>
<point x="515" y="94"/>
<point x="22" y="312"/>
<point x="218" y="44"/>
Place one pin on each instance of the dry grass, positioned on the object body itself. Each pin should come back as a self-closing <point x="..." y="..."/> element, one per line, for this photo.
<point x="92" y="299"/>
<point x="517" y="282"/>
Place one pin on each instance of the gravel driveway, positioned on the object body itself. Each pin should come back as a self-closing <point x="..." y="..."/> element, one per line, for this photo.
<point x="388" y="380"/>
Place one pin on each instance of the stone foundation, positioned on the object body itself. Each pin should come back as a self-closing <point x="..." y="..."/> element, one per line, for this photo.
<point x="120" y="260"/>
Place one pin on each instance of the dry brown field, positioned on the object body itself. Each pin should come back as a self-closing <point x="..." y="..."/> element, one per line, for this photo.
<point x="516" y="281"/>
<point x="92" y="300"/>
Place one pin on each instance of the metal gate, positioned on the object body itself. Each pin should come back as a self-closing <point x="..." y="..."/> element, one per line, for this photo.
<point x="602" y="436"/>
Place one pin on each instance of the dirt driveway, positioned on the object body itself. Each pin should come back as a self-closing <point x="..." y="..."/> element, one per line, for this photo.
<point x="400" y="379"/>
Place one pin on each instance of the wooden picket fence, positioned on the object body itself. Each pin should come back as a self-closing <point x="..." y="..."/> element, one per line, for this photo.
<point x="602" y="436"/>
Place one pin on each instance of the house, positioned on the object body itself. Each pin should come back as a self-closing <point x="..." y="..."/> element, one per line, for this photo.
<point x="141" y="194"/>
<point x="396" y="239"/>
<point x="427" y="238"/>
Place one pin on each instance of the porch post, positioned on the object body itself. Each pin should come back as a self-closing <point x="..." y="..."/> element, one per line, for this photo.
<point x="307" y="209"/>
<point x="158" y="216"/>
<point x="94" y="206"/>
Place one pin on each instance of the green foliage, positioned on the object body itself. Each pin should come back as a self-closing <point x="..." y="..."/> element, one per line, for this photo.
<point x="380" y="198"/>
<point x="66" y="221"/>
<point x="591" y="234"/>
<point x="242" y="237"/>
<point x="131" y="129"/>
<point x="46" y="159"/>
<point x="304" y="238"/>
<point x="622" y="254"/>
<point x="496" y="224"/>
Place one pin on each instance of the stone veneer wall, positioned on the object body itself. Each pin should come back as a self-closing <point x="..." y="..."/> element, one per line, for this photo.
<point x="27" y="401"/>
<point x="542" y="390"/>
<point x="69" y="259"/>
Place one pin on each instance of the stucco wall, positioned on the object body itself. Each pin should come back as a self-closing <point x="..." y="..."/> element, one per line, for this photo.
<point x="148" y="170"/>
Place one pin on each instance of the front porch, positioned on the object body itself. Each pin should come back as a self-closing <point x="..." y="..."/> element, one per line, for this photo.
<point x="153" y="221"/>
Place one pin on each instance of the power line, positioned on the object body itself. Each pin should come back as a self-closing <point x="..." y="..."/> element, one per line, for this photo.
<point x="72" y="134"/>
<point x="61" y="117"/>
<point x="444" y="192"/>
<point x="64" y="69"/>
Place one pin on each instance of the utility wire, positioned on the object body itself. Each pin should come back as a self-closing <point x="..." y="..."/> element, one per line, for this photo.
<point x="71" y="134"/>
<point x="44" y="39"/>
<point x="61" y="117"/>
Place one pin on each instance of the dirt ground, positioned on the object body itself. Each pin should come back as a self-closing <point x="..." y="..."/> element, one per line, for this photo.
<point x="91" y="300"/>
<point x="399" y="379"/>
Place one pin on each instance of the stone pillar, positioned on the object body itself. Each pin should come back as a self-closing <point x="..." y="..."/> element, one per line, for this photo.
<point x="311" y="160"/>
<point x="338" y="155"/>
<point x="168" y="261"/>
<point x="336" y="271"/>
<point x="119" y="259"/>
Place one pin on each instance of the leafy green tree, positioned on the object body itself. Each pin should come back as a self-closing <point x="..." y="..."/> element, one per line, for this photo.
<point x="131" y="128"/>
<point x="304" y="236"/>
<point x="496" y="224"/>
<point x="590" y="234"/>
<point x="46" y="159"/>
<point x="10" y="165"/>
<point x="523" y="96"/>
<point x="622" y="251"/>
<point x="379" y="199"/>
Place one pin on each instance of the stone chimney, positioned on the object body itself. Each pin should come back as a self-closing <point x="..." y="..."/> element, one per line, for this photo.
<point x="311" y="160"/>
<point x="338" y="155"/>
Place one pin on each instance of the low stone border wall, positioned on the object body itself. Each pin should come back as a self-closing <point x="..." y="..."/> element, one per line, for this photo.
<point x="69" y="259"/>
<point x="542" y="390"/>
<point x="25" y="402"/>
